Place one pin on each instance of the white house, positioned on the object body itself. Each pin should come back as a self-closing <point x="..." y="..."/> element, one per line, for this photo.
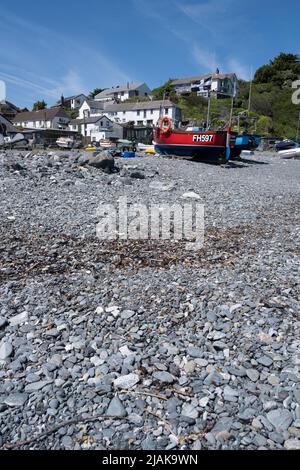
<point x="218" y="84"/>
<point x="72" y="102"/>
<point x="91" y="108"/>
<point x="53" y="118"/>
<point x="96" y="128"/>
<point x="124" y="92"/>
<point x="146" y="113"/>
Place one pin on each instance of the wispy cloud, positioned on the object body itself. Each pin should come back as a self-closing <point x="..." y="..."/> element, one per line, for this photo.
<point x="242" y="71"/>
<point x="49" y="63"/>
<point x="204" y="58"/>
<point x="215" y="17"/>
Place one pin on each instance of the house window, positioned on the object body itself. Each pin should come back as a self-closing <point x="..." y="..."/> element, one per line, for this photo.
<point x="145" y="114"/>
<point x="166" y="110"/>
<point x="101" y="123"/>
<point x="140" y="123"/>
<point x="107" y="123"/>
<point x="151" y="112"/>
<point x="150" y="122"/>
<point x="124" y="112"/>
<point x="138" y="113"/>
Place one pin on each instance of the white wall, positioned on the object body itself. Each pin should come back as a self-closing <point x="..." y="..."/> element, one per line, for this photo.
<point x="56" y="123"/>
<point x="143" y="117"/>
<point x="91" y="112"/>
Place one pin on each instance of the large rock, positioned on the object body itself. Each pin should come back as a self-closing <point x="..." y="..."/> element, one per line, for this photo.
<point x="116" y="408"/>
<point x="126" y="381"/>
<point x="281" y="419"/>
<point x="104" y="161"/>
<point x="6" y="350"/>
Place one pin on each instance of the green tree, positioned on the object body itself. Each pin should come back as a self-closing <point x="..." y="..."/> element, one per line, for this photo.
<point x="165" y="91"/>
<point x="38" y="105"/>
<point x="95" y="92"/>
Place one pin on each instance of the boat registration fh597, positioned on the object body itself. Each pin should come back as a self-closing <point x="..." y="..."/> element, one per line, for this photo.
<point x="209" y="138"/>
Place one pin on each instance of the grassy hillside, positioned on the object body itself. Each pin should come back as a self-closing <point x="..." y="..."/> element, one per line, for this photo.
<point x="271" y="101"/>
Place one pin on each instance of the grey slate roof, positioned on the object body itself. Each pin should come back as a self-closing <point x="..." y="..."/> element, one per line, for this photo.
<point x="197" y="78"/>
<point x="89" y="120"/>
<point x="69" y="98"/>
<point x="117" y="89"/>
<point x="95" y="104"/>
<point x="43" y="114"/>
<point x="139" y="106"/>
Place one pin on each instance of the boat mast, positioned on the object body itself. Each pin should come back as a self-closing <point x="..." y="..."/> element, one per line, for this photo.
<point x="298" y="129"/>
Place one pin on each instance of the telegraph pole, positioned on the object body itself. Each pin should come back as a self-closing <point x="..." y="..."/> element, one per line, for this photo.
<point x="208" y="111"/>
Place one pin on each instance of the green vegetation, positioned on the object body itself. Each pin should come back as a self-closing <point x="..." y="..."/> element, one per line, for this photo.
<point x="95" y="92"/>
<point x="38" y="105"/>
<point x="271" y="101"/>
<point x="72" y="113"/>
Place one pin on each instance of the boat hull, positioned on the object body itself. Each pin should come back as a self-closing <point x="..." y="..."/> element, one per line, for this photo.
<point x="208" y="145"/>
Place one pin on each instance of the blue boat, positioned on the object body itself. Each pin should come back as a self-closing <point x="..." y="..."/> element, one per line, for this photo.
<point x="286" y="145"/>
<point x="244" y="142"/>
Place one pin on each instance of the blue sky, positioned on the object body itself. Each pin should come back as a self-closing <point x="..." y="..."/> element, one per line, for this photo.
<point x="62" y="46"/>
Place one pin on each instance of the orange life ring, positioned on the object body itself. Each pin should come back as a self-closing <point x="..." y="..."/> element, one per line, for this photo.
<point x="166" y="124"/>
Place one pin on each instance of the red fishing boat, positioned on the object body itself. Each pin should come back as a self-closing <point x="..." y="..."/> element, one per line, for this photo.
<point x="208" y="145"/>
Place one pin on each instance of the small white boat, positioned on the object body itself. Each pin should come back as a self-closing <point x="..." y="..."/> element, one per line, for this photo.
<point x="291" y="153"/>
<point x="65" y="142"/>
<point x="105" y="143"/>
<point x="146" y="148"/>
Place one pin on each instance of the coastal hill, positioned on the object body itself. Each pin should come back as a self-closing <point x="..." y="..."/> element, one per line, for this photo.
<point x="271" y="100"/>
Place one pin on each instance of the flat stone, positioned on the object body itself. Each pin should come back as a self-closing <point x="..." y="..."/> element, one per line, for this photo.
<point x="32" y="378"/>
<point x="223" y="436"/>
<point x="126" y="381"/>
<point x="116" y="408"/>
<point x="162" y="186"/>
<point x="230" y="394"/>
<point x="265" y="360"/>
<point x="281" y="419"/>
<point x="203" y="402"/>
<point x="34" y="387"/>
<point x="292" y="444"/>
<point x="201" y="362"/>
<point x="273" y="380"/>
<point x="6" y="350"/>
<point x="164" y="377"/>
<point x="126" y="314"/>
<point x="253" y="374"/>
<point x="125" y="351"/>
<point x="190" y="195"/>
<point x="67" y="442"/>
<point x="224" y="424"/>
<point x="189" y="367"/>
<point x="16" y="399"/>
<point x="19" y="319"/>
<point x="190" y="411"/>
<point x="256" y="424"/>
<point x="214" y="378"/>
<point x="194" y="352"/>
